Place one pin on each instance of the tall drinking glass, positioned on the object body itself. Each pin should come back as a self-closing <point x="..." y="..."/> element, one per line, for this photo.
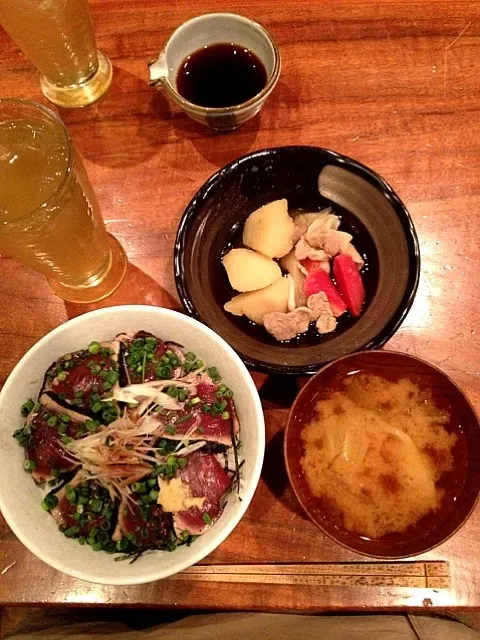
<point x="57" y="36"/>
<point x="49" y="217"/>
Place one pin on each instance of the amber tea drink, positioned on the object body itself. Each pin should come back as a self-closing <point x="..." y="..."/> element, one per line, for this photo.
<point x="49" y="217"/>
<point x="57" y="36"/>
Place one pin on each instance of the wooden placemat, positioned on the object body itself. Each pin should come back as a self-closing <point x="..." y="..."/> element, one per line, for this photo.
<point x="430" y="575"/>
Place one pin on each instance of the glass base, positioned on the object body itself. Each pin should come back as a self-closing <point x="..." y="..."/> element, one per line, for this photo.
<point x="105" y="287"/>
<point x="81" y="95"/>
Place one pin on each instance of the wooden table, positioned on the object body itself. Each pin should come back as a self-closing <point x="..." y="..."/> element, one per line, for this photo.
<point x="393" y="84"/>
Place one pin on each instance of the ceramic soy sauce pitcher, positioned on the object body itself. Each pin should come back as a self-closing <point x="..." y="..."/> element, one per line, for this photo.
<point x="202" y="32"/>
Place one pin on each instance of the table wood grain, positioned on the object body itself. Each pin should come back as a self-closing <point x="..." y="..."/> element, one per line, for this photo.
<point x="395" y="85"/>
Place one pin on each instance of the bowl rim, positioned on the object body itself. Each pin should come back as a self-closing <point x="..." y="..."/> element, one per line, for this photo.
<point x="248" y="491"/>
<point x="311" y="382"/>
<point x="360" y="169"/>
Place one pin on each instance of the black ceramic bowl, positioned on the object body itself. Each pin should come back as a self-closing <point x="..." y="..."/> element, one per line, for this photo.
<point x="310" y="178"/>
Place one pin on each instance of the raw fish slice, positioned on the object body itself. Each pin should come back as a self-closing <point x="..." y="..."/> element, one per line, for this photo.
<point x="137" y="372"/>
<point x="44" y="446"/>
<point x="150" y="525"/>
<point x="79" y="379"/>
<point x="200" y="426"/>
<point x="67" y="514"/>
<point x="206" y="479"/>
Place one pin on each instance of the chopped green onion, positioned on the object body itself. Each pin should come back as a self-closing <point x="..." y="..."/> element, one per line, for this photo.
<point x="67" y="356"/>
<point x="139" y="487"/>
<point x="52" y="421"/>
<point x="79" y="394"/>
<point x="96" y="505"/>
<point x="26" y="408"/>
<point x="62" y="428"/>
<point x="164" y="372"/>
<point x="71" y="494"/>
<point x="65" y="418"/>
<point x="131" y="537"/>
<point x="195" y="401"/>
<point x="20" y="436"/>
<point x="171" y="461"/>
<point x="206" y="518"/>
<point x="29" y="465"/>
<point x="112" y="376"/>
<point x="182" y="463"/>
<point x="153" y="495"/>
<point x="94" y="347"/>
<point x="191" y="356"/>
<point x="81" y="540"/>
<point x="172" y="392"/>
<point x="103" y="537"/>
<point x="225" y="415"/>
<point x="107" y="513"/>
<point x="170" y="429"/>
<point x="91" y="424"/>
<point x="152" y="482"/>
<point x="122" y="544"/>
<point x="183" y="419"/>
<point x="49" y="502"/>
<point x="65" y="439"/>
<point x="62" y="376"/>
<point x="96" y="407"/>
<point x="158" y="470"/>
<point x="72" y="531"/>
<point x="213" y="373"/>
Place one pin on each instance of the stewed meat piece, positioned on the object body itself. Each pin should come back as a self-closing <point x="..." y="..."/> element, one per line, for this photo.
<point x="285" y="326"/>
<point x="319" y="305"/>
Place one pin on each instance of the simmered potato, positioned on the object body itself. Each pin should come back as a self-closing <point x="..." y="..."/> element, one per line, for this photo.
<point x="248" y="270"/>
<point x="255" y="304"/>
<point x="270" y="229"/>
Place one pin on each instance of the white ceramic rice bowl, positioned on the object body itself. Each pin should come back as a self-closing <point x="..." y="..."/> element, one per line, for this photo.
<point x="20" y="498"/>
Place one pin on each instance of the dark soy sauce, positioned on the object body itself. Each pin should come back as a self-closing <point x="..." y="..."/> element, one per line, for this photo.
<point x="221" y="75"/>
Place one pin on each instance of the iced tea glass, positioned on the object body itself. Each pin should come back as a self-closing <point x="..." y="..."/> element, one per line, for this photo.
<point x="57" y="36"/>
<point x="49" y="217"/>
